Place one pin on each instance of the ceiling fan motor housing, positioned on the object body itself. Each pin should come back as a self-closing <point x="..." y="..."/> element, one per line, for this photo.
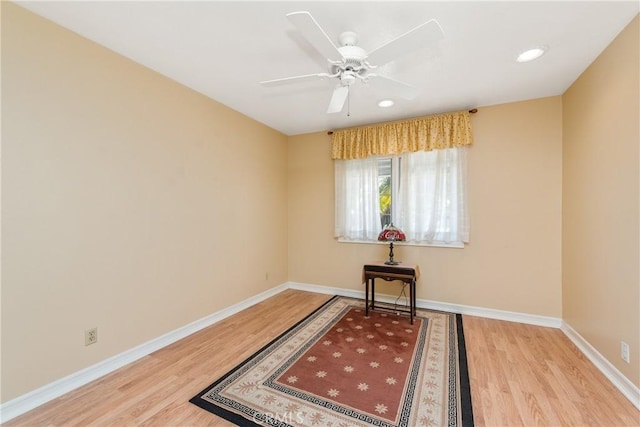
<point x="353" y="64"/>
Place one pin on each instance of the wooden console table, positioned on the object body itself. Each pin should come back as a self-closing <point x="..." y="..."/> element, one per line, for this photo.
<point x="406" y="273"/>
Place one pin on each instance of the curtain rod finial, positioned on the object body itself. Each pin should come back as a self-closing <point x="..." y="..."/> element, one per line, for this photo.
<point x="473" y="110"/>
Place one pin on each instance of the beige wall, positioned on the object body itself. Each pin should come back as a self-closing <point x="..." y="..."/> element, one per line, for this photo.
<point x="130" y="203"/>
<point x="513" y="259"/>
<point x="115" y="180"/>
<point x="601" y="244"/>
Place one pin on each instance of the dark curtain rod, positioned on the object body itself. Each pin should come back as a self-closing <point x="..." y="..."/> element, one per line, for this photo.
<point x="472" y="111"/>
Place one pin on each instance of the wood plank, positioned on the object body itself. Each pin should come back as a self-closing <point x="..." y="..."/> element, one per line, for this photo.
<point x="550" y="381"/>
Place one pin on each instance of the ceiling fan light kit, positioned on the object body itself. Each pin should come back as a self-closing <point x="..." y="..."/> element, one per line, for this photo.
<point x="349" y="62"/>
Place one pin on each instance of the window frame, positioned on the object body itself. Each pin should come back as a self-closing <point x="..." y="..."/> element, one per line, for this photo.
<point x="396" y="165"/>
<point x="454" y="245"/>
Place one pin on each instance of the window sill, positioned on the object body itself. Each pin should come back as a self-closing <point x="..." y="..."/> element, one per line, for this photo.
<point x="454" y="245"/>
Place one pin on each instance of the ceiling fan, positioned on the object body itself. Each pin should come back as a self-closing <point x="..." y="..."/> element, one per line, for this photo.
<point x="349" y="62"/>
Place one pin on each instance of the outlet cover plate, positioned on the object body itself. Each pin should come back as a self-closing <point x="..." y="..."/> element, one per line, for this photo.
<point x="90" y="336"/>
<point x="624" y="352"/>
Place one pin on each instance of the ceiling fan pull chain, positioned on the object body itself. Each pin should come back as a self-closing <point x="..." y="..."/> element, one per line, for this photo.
<point x="348" y="101"/>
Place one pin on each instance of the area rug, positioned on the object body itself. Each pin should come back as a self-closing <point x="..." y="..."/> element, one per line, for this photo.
<point x="338" y="367"/>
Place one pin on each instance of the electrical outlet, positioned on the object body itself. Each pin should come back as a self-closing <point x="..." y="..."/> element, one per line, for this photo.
<point x="624" y="352"/>
<point x="90" y="336"/>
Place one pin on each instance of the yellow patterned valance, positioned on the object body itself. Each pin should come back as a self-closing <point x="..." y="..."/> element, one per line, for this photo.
<point x="393" y="138"/>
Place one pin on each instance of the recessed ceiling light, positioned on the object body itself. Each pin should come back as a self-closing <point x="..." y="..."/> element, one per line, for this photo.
<point x="385" y="103"/>
<point x="531" y="54"/>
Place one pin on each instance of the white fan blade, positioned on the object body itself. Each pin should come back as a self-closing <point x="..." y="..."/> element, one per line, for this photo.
<point x="310" y="29"/>
<point x="337" y="99"/>
<point x="294" y="79"/>
<point x="393" y="86"/>
<point x="421" y="36"/>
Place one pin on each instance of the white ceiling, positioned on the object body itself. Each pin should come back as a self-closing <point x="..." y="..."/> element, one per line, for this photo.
<point x="224" y="49"/>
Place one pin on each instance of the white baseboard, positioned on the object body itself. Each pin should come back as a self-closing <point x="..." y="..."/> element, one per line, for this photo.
<point x="328" y="290"/>
<point x="37" y="397"/>
<point x="530" y="319"/>
<point x="622" y="383"/>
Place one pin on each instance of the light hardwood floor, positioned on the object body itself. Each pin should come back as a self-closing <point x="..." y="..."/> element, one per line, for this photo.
<point x="520" y="375"/>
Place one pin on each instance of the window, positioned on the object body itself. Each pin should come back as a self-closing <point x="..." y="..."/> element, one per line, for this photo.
<point x="423" y="193"/>
<point x="385" y="187"/>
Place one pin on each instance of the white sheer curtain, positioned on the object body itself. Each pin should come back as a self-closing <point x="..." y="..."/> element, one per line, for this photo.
<point x="357" y="208"/>
<point x="431" y="200"/>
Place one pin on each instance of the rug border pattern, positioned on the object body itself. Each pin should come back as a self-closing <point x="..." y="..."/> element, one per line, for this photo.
<point x="458" y="379"/>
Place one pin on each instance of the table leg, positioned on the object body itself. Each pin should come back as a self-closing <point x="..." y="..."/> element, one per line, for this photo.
<point x="412" y="296"/>
<point x="366" y="297"/>
<point x="373" y="293"/>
